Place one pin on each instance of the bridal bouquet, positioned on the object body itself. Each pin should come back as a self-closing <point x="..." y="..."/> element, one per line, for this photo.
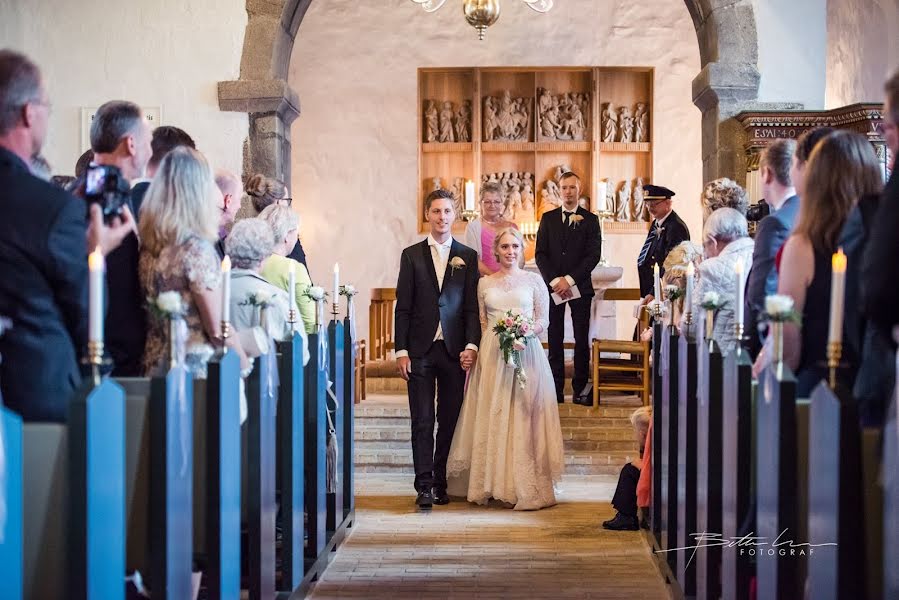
<point x="514" y="330"/>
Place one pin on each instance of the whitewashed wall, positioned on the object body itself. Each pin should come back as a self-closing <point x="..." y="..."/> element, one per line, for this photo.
<point x="165" y="53"/>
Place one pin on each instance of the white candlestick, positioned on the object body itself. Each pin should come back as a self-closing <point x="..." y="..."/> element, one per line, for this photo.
<point x="599" y="204"/>
<point x="292" y="286"/>
<point x="96" y="265"/>
<point x="336" y="282"/>
<point x="657" y="285"/>
<point x="688" y="296"/>
<point x="469" y="195"/>
<point x="741" y="284"/>
<point x="837" y="297"/>
<point x="226" y="289"/>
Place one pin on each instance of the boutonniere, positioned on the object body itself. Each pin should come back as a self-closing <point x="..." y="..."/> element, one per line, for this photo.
<point x="573" y="220"/>
<point x="456" y="263"/>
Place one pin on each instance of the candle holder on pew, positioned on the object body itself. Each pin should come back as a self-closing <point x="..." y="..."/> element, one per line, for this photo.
<point x="834" y="355"/>
<point x="470" y="215"/>
<point x="95" y="363"/>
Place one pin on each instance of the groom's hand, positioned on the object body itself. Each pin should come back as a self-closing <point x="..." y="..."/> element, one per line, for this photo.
<point x="561" y="287"/>
<point x="467" y="358"/>
<point x="404" y="366"/>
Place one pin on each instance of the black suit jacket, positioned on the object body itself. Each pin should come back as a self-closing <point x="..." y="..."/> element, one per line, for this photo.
<point x="421" y="304"/>
<point x="674" y="231"/>
<point x="573" y="250"/>
<point x="298" y="254"/>
<point x="880" y="270"/>
<point x="43" y="259"/>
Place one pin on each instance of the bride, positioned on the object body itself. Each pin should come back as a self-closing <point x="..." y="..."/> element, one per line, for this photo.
<point x="508" y="440"/>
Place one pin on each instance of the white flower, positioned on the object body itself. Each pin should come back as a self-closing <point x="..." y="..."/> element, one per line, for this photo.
<point x="316" y="292"/>
<point x="348" y="290"/>
<point x="711" y="298"/>
<point x="170" y="303"/>
<point x="776" y="305"/>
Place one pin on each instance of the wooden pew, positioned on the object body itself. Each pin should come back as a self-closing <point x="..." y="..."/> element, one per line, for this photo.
<point x="668" y="463"/>
<point x="336" y="366"/>
<point x="262" y="399"/>
<point x="11" y="497"/>
<point x="350" y="392"/>
<point x="316" y="440"/>
<point x="290" y="462"/>
<point x="736" y="470"/>
<point x="656" y="519"/>
<point x="686" y="462"/>
<point x="835" y="498"/>
<point x="709" y="441"/>
<point x="890" y="479"/>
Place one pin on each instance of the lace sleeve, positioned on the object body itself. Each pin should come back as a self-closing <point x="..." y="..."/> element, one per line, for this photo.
<point x="482" y="307"/>
<point x="541" y="302"/>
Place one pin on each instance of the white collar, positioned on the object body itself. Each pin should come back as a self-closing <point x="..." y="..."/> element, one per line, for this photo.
<point x="433" y="242"/>
<point x="662" y="220"/>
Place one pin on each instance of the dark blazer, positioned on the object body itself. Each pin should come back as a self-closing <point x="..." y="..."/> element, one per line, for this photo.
<point x="674" y="231"/>
<point x="574" y="250"/>
<point x="298" y="254"/>
<point x="43" y="290"/>
<point x="880" y="268"/>
<point x="421" y="304"/>
<point x="771" y="234"/>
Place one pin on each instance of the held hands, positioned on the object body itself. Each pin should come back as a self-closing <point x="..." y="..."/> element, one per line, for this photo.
<point x="467" y="358"/>
<point x="108" y="237"/>
<point x="404" y="367"/>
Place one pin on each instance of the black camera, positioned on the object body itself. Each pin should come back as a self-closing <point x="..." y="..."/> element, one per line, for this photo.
<point x="105" y="186"/>
<point x="757" y="212"/>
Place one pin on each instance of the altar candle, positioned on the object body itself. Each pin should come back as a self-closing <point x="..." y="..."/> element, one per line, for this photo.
<point x="599" y="205"/>
<point x="688" y="296"/>
<point x="226" y="289"/>
<point x="469" y="195"/>
<point x="738" y="309"/>
<point x="837" y="297"/>
<point x="657" y="287"/>
<point x="292" y="285"/>
<point x="336" y="282"/>
<point x="96" y="265"/>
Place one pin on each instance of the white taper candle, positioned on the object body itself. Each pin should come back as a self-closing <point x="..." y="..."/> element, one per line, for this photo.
<point x="741" y="283"/>
<point x="226" y="289"/>
<point x="837" y="297"/>
<point x="96" y="265"/>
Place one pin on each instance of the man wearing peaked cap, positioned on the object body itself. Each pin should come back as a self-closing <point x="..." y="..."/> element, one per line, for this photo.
<point x="666" y="231"/>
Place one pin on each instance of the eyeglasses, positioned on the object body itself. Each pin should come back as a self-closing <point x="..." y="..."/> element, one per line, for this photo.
<point x="286" y="201"/>
<point x="491" y="201"/>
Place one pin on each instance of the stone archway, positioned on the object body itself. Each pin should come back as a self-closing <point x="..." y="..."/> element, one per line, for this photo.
<point x="728" y="82"/>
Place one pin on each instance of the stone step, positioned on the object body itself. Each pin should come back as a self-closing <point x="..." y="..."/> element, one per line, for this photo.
<point x="570" y="445"/>
<point x="402" y="433"/>
<point x="580" y="422"/>
<point x="566" y="411"/>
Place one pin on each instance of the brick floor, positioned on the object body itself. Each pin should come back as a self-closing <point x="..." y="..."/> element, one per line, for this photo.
<point x="466" y="551"/>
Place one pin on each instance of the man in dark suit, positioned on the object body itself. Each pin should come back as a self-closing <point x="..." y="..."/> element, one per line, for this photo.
<point x="666" y="231"/>
<point x="568" y="249"/>
<point x="436" y="340"/>
<point x="43" y="257"/>
<point x="165" y="139"/>
<point x="772" y="232"/>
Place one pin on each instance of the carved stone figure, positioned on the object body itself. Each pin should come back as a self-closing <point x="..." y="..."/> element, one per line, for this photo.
<point x="446" y="123"/>
<point x="640" y="211"/>
<point x="623" y="208"/>
<point x="641" y="123"/>
<point x="438" y="184"/>
<point x="527" y="202"/>
<point x="562" y="117"/>
<point x="549" y="123"/>
<point x="625" y="125"/>
<point x="574" y="125"/>
<point x="610" y="196"/>
<point x="489" y="119"/>
<point x="432" y="130"/>
<point x="456" y="191"/>
<point x="609" y="123"/>
<point x="513" y="206"/>
<point x="463" y="122"/>
<point x="507" y="118"/>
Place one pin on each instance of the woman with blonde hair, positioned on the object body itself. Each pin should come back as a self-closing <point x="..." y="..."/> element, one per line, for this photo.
<point x="178" y="228"/>
<point x="841" y="169"/>
<point x="722" y="193"/>
<point x="266" y="191"/>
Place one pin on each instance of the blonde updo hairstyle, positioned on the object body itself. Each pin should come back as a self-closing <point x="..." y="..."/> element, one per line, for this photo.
<point x="722" y="193"/>
<point x="264" y="191"/>
<point x="513" y="231"/>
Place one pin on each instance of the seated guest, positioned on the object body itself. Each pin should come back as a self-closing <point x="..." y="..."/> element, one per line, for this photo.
<point x="723" y="192"/>
<point x="480" y="232"/>
<point x="625" y="499"/>
<point x="43" y="257"/>
<point x="230" y="187"/>
<point x="178" y="230"/>
<point x="842" y="169"/>
<point x="772" y="232"/>
<point x="248" y="244"/>
<point x="726" y="243"/>
<point x="675" y="269"/>
<point x="265" y="191"/>
<point x="276" y="268"/>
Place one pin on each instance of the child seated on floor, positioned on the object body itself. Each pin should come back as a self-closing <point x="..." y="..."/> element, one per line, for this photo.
<point x="625" y="499"/>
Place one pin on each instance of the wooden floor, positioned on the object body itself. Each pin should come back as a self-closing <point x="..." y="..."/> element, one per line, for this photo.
<point x="465" y="551"/>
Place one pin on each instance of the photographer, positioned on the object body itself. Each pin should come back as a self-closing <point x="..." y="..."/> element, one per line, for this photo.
<point x="43" y="256"/>
<point x="120" y="140"/>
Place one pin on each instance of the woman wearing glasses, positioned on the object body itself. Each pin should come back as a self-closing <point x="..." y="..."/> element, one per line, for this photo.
<point x="480" y="232"/>
<point x="265" y="191"/>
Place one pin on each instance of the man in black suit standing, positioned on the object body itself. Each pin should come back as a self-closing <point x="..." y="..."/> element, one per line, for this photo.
<point x="569" y="247"/>
<point x="436" y="340"/>
<point x="43" y="257"/>
<point x="666" y="231"/>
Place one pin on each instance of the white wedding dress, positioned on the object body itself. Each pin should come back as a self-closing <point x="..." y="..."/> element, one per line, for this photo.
<point x="508" y="440"/>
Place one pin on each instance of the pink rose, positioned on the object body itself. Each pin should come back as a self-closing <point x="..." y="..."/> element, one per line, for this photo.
<point x="509" y="322"/>
<point x="524" y="328"/>
<point x="519" y="345"/>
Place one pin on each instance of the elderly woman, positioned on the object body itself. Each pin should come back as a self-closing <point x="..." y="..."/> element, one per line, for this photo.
<point x="480" y="232"/>
<point x="249" y="243"/>
<point x="276" y="267"/>
<point x="675" y="266"/>
<point x="722" y="193"/>
<point x="726" y="244"/>
<point x="264" y="192"/>
<point x="178" y="224"/>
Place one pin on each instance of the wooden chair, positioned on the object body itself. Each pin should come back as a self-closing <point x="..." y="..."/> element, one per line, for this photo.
<point x="632" y="375"/>
<point x="380" y="323"/>
<point x="359" y="371"/>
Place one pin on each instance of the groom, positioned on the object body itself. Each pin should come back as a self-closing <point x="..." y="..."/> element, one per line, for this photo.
<point x="568" y="249"/>
<point x="436" y="340"/>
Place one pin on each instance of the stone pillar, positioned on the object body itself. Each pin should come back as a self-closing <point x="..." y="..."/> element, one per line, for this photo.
<point x="272" y="106"/>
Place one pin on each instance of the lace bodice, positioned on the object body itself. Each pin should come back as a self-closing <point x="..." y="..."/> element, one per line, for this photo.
<point x="524" y="291"/>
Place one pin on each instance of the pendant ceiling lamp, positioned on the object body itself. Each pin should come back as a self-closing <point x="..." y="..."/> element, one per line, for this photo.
<point x="481" y="14"/>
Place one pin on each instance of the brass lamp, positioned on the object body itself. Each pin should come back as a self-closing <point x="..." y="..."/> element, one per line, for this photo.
<point x="481" y="14"/>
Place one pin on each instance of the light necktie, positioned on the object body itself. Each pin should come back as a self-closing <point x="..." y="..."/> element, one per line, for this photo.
<point x="644" y="251"/>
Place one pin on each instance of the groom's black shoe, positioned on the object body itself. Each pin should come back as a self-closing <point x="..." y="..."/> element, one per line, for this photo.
<point x="440" y="497"/>
<point x="425" y="499"/>
<point x="622" y="523"/>
<point x="583" y="400"/>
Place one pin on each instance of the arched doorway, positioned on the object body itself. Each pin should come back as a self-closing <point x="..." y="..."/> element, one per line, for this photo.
<point x="727" y="83"/>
